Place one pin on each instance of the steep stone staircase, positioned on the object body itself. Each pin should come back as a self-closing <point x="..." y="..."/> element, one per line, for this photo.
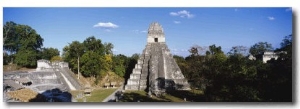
<point x="157" y="71"/>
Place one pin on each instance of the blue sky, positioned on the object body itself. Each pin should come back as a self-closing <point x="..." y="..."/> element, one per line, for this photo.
<point x="126" y="28"/>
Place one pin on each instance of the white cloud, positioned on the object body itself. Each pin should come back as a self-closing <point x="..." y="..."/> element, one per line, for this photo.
<point x="177" y="22"/>
<point x="106" y="25"/>
<point x="139" y="31"/>
<point x="271" y="18"/>
<point x="173" y="14"/>
<point x="182" y="14"/>
<point x="288" y="9"/>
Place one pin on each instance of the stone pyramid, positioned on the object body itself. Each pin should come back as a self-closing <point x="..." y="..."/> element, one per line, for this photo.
<point x="156" y="70"/>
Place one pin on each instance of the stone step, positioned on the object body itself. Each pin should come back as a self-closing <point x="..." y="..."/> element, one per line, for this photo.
<point x="138" y="66"/>
<point x="133" y="82"/>
<point x="140" y="61"/>
<point x="136" y="71"/>
<point x="143" y="82"/>
<point x="145" y="65"/>
<point x="131" y="87"/>
<point x="135" y="76"/>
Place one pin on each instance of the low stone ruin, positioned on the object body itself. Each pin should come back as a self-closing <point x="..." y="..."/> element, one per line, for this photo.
<point x="49" y="79"/>
<point x="46" y="65"/>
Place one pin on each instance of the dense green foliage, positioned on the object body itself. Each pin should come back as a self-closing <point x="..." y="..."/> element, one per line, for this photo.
<point x="123" y="65"/>
<point x="260" y="47"/>
<point x="88" y="55"/>
<point x="91" y="63"/>
<point x="48" y="53"/>
<point x="94" y="59"/>
<point x="56" y="58"/>
<point x="72" y="54"/>
<point x="91" y="58"/>
<point x="23" y="45"/>
<point x="233" y="77"/>
<point x="120" y="64"/>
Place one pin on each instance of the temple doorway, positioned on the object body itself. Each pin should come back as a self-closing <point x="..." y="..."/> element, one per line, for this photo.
<point x="155" y="40"/>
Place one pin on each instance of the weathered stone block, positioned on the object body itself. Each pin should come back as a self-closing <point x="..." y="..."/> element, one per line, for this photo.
<point x="136" y="71"/>
<point x="135" y="76"/>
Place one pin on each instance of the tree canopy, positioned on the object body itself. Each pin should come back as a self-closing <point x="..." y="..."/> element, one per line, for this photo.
<point x="236" y="78"/>
<point x="48" y="53"/>
<point x="260" y="48"/>
<point x="91" y="57"/>
<point x="23" y="44"/>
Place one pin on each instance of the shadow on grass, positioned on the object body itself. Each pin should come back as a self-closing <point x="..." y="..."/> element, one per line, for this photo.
<point x="140" y="97"/>
<point x="53" y="95"/>
<point x="189" y="95"/>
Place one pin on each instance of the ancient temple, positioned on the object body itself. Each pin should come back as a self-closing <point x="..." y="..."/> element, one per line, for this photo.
<point x="156" y="70"/>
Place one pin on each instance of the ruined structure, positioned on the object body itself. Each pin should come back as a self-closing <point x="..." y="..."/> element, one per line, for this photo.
<point x="156" y="71"/>
<point x="268" y="55"/>
<point x="46" y="65"/>
<point x="51" y="79"/>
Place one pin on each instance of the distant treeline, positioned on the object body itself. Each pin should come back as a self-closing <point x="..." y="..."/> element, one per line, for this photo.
<point x="235" y="77"/>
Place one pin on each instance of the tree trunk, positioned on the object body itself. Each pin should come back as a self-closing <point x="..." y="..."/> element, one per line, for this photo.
<point x="11" y="57"/>
<point x="78" y="67"/>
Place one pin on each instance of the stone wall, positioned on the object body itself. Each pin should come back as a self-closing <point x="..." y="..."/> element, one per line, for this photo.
<point x="46" y="64"/>
<point x="43" y="64"/>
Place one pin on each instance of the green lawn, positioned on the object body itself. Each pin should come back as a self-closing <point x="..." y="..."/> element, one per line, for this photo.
<point x="98" y="95"/>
